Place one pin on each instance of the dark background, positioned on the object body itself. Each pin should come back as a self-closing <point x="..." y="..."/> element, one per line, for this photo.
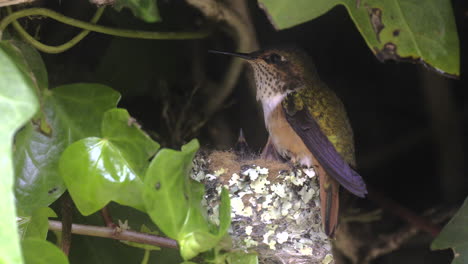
<point x="409" y="123"/>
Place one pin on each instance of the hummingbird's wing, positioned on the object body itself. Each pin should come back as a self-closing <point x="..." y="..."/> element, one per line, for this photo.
<point x="323" y="150"/>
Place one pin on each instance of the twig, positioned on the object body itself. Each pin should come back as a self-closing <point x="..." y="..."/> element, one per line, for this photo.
<point x="361" y="243"/>
<point x="67" y="219"/>
<point x="107" y="232"/>
<point x="107" y="217"/>
<point x="404" y="213"/>
<point x="242" y="34"/>
<point x="389" y="243"/>
<point x="395" y="240"/>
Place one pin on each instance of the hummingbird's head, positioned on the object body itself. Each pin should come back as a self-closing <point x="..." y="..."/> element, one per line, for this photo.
<point x="278" y="71"/>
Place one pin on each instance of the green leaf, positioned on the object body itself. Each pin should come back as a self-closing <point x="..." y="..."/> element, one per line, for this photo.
<point x="74" y="112"/>
<point x="37" y="251"/>
<point x="36" y="225"/>
<point x="224" y="213"/>
<point x="146" y="10"/>
<point x="194" y="220"/>
<point x="34" y="66"/>
<point x="393" y="29"/>
<point x="195" y="242"/>
<point x="95" y="173"/>
<point x="173" y="201"/>
<point x="164" y="191"/>
<point x="18" y="104"/>
<point x="99" y="170"/>
<point x="242" y="258"/>
<point x="194" y="236"/>
<point x="135" y="145"/>
<point x="454" y="235"/>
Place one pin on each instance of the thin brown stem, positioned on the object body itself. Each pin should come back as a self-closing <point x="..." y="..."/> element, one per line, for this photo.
<point x="107" y="232"/>
<point x="242" y="34"/>
<point x="107" y="217"/>
<point x="404" y="213"/>
<point x="67" y="219"/>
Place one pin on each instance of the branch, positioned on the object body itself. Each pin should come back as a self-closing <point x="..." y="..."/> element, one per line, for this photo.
<point x="107" y="217"/>
<point x="67" y="220"/>
<point x="404" y="213"/>
<point x="392" y="242"/>
<point x="107" y="232"/>
<point x="363" y="242"/>
<point x="245" y="39"/>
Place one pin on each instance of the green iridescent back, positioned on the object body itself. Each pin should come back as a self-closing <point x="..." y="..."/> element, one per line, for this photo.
<point x="328" y="110"/>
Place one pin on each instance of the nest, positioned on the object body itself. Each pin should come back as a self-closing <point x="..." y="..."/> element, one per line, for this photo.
<point x="275" y="208"/>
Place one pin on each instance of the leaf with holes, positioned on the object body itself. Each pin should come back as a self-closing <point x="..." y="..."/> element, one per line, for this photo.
<point x="454" y="235"/>
<point x="419" y="31"/>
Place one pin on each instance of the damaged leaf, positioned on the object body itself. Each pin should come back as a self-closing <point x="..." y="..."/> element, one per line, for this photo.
<point x="454" y="236"/>
<point x="403" y="30"/>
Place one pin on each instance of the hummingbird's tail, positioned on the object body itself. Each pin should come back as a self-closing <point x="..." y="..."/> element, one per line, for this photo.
<point x="329" y="201"/>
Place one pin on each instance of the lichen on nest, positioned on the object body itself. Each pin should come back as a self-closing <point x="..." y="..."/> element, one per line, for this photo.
<point x="275" y="208"/>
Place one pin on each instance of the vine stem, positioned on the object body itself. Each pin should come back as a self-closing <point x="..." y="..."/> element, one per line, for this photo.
<point x="55" y="49"/>
<point x="107" y="232"/>
<point x="89" y="26"/>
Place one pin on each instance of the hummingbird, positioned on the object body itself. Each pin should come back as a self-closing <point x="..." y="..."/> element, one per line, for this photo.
<point x="306" y="122"/>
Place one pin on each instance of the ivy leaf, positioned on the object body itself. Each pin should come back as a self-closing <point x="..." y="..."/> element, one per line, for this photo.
<point x="33" y="64"/>
<point x="38" y="251"/>
<point x="147" y="10"/>
<point x="74" y="112"/>
<point x="125" y="133"/>
<point x="165" y="191"/>
<point x="420" y="31"/>
<point x="18" y="103"/>
<point x="99" y="170"/>
<point x="173" y="202"/>
<point x="36" y="225"/>
<point x="194" y="235"/>
<point x="454" y="235"/>
<point x="224" y="213"/>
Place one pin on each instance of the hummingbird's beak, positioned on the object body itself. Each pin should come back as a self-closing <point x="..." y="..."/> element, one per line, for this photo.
<point x="244" y="56"/>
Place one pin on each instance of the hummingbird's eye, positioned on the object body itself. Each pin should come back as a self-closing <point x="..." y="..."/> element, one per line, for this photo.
<point x="273" y="58"/>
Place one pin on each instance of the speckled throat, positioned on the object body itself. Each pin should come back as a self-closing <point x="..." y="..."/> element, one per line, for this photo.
<point x="268" y="80"/>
